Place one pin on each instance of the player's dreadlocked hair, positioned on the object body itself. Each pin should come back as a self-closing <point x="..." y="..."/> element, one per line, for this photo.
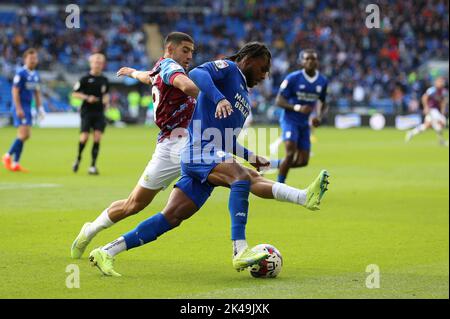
<point x="251" y="50"/>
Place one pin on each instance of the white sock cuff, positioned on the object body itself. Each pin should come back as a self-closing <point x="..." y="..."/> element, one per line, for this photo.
<point x="105" y="218"/>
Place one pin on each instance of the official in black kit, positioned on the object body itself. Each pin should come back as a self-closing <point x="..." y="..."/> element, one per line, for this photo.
<point x="93" y="89"/>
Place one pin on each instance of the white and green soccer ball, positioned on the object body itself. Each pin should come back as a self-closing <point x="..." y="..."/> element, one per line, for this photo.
<point x="269" y="267"/>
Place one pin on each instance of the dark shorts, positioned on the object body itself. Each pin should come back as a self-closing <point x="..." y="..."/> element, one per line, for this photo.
<point x="94" y="121"/>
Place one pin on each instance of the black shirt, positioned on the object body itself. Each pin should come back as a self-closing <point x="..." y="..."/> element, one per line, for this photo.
<point x="92" y="85"/>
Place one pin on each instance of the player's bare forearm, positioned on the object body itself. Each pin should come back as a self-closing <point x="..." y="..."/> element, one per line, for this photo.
<point x="79" y="95"/>
<point x="37" y="96"/>
<point x="322" y="110"/>
<point x="141" y="76"/>
<point x="186" y="85"/>
<point x="281" y="102"/>
<point x="425" y="104"/>
<point x="444" y="106"/>
<point x="16" y="98"/>
<point x="106" y="100"/>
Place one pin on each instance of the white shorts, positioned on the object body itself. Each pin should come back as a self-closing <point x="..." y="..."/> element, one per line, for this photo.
<point x="165" y="165"/>
<point x="436" y="119"/>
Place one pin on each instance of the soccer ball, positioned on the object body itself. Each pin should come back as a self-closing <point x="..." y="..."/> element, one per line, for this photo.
<point x="269" y="267"/>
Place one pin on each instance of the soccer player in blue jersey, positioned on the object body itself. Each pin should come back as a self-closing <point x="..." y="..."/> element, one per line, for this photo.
<point x="206" y="161"/>
<point x="25" y="85"/>
<point x="174" y="100"/>
<point x="301" y="93"/>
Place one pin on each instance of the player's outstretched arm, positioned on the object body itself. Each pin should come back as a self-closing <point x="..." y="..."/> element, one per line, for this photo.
<point x="205" y="83"/>
<point x="16" y="98"/>
<point x="321" y="111"/>
<point x="425" y="103"/>
<point x="186" y="85"/>
<point x="255" y="160"/>
<point x="141" y="76"/>
<point x="106" y="100"/>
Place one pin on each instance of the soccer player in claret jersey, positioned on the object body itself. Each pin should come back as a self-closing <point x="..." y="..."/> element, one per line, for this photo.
<point x="93" y="89"/>
<point x="301" y="93"/>
<point x="206" y="161"/>
<point x="435" y="102"/>
<point x="172" y="92"/>
<point x="25" y="85"/>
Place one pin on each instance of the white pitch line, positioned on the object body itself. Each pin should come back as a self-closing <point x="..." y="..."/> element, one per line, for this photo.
<point x="5" y="186"/>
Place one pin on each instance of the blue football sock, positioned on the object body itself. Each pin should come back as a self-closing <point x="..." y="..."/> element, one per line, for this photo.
<point x="14" y="145"/>
<point x="238" y="206"/>
<point x="147" y="231"/>
<point x="16" y="149"/>
<point x="281" y="179"/>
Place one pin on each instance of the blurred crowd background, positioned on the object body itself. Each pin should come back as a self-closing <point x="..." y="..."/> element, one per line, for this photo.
<point x="386" y="69"/>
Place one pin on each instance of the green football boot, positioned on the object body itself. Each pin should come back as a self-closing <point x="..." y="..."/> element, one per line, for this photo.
<point x="103" y="261"/>
<point x="246" y="258"/>
<point x="80" y="243"/>
<point x="316" y="190"/>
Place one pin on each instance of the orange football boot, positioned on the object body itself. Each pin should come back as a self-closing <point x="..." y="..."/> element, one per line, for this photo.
<point x="6" y="159"/>
<point x="17" y="168"/>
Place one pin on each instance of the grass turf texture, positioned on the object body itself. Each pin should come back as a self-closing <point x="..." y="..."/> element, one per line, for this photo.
<point x="387" y="205"/>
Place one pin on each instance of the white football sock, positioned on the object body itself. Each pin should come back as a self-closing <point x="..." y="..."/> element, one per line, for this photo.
<point x="102" y="222"/>
<point x="115" y="247"/>
<point x="440" y="135"/>
<point x="286" y="193"/>
<point x="238" y="246"/>
<point x="418" y="129"/>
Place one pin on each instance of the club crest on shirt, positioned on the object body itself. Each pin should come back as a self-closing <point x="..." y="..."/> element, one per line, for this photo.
<point x="318" y="89"/>
<point x="221" y="64"/>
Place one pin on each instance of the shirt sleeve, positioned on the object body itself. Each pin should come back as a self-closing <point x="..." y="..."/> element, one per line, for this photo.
<point x="286" y="87"/>
<point x="206" y="74"/>
<point x="430" y="91"/>
<point x="106" y="86"/>
<point x="79" y="86"/>
<point x="241" y="151"/>
<point x="169" y="70"/>
<point x="18" y="80"/>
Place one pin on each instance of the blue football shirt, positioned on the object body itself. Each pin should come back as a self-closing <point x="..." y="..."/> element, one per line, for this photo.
<point x="299" y="88"/>
<point x="207" y="131"/>
<point x="28" y="82"/>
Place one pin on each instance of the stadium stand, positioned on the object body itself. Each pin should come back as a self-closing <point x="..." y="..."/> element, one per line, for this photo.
<point x="372" y="68"/>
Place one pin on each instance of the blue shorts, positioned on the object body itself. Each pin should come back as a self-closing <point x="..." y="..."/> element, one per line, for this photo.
<point x="27" y="120"/>
<point x="194" y="174"/>
<point x="300" y="135"/>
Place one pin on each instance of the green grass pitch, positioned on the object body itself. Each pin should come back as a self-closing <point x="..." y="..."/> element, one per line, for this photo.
<point x="387" y="205"/>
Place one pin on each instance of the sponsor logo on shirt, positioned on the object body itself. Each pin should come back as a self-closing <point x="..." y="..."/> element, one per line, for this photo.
<point x="221" y="64"/>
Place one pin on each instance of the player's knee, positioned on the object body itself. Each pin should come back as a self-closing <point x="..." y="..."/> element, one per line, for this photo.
<point x="254" y="176"/>
<point x="303" y="163"/>
<point x="289" y="158"/>
<point x="175" y="218"/>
